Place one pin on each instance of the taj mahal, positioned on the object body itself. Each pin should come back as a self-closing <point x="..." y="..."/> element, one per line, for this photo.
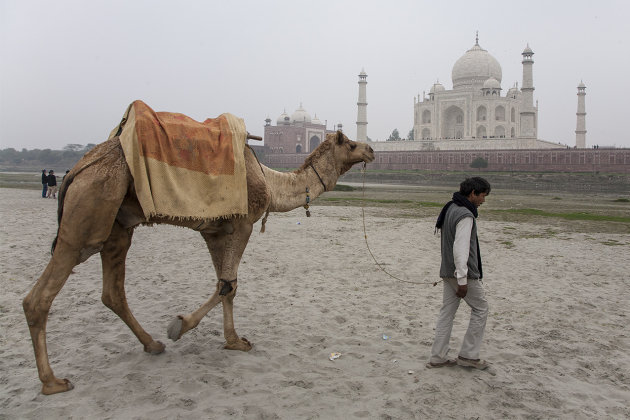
<point x="474" y="114"/>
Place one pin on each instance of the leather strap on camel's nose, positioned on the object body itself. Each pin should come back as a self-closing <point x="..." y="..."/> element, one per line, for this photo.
<point x="227" y="286"/>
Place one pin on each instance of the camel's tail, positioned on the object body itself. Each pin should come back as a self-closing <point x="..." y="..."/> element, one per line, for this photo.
<point x="89" y="159"/>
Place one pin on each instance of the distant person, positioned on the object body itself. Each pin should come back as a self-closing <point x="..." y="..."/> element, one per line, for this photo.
<point x="44" y="183"/>
<point x="64" y="176"/>
<point x="461" y="275"/>
<point x="52" y="184"/>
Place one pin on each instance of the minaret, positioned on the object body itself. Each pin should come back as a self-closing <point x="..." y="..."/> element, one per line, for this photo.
<point x="528" y="112"/>
<point x="580" y="129"/>
<point x="362" y="105"/>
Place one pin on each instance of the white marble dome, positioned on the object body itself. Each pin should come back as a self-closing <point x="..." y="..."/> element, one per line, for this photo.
<point x="474" y="67"/>
<point x="300" y="115"/>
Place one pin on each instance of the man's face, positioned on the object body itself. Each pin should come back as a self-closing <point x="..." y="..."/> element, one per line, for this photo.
<point x="477" y="199"/>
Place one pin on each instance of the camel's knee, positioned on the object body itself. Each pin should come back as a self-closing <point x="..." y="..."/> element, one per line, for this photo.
<point x="227" y="287"/>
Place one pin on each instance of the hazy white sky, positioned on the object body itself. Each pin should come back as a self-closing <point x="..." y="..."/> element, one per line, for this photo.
<point x="68" y="69"/>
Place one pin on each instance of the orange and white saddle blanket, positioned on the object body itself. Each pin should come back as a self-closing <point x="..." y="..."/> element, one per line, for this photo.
<point x="182" y="168"/>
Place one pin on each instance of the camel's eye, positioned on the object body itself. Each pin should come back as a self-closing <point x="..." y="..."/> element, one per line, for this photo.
<point x="353" y="146"/>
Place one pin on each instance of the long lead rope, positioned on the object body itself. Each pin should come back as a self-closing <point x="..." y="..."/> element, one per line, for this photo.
<point x="368" y="245"/>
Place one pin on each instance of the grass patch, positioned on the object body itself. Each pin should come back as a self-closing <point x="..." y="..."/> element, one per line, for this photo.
<point x="547" y="233"/>
<point x="429" y="204"/>
<point x="567" y="216"/>
<point x="612" y="242"/>
<point x="622" y="200"/>
<point x="342" y="187"/>
<point x="508" y="244"/>
<point x="367" y="200"/>
<point x="27" y="181"/>
<point x="358" y="200"/>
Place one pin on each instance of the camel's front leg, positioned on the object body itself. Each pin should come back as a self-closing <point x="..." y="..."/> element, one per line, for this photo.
<point x="226" y="256"/>
<point x="233" y="342"/>
<point x="226" y="251"/>
<point x="184" y="323"/>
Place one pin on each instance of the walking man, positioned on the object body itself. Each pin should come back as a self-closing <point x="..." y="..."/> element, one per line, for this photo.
<point x="461" y="273"/>
<point x="44" y="183"/>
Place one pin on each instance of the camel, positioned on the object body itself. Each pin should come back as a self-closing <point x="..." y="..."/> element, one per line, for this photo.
<point x="98" y="211"/>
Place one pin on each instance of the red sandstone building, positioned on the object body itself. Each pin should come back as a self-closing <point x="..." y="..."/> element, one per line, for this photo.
<point x="298" y="133"/>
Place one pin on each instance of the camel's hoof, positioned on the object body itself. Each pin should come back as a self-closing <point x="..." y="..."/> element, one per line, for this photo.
<point x="156" y="347"/>
<point x="242" y="344"/>
<point x="57" y="386"/>
<point x="175" y="328"/>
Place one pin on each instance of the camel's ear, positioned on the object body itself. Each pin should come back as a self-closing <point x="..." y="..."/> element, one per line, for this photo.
<point x="339" y="137"/>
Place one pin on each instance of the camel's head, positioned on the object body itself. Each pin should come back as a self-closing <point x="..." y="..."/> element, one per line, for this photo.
<point x="347" y="152"/>
<point x="340" y="153"/>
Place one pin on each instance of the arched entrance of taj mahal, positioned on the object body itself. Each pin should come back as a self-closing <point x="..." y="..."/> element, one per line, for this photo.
<point x="453" y="123"/>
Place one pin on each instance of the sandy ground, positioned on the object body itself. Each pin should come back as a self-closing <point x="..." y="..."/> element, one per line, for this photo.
<point x="557" y="334"/>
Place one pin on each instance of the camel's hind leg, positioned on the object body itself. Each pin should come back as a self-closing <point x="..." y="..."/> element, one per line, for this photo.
<point x="36" y="307"/>
<point x="113" y="256"/>
<point x="71" y="250"/>
<point x="89" y="209"/>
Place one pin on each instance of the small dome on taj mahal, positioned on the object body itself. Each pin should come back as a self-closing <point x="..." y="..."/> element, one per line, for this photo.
<point x="492" y="83"/>
<point x="437" y="87"/>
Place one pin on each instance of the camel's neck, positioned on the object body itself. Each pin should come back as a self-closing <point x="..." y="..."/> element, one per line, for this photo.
<point x="288" y="189"/>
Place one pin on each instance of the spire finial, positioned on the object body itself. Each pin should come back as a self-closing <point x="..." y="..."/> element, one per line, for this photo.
<point x="477" y="38"/>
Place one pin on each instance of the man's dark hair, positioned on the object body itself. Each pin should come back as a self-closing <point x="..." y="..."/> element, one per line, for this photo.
<point x="475" y="184"/>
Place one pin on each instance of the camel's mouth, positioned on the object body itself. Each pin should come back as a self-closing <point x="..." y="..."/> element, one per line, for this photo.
<point x="368" y="155"/>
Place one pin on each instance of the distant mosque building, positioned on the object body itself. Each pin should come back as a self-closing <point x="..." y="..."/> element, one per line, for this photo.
<point x="298" y="133"/>
<point x="475" y="115"/>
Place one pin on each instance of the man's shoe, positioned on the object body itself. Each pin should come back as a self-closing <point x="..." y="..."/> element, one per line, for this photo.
<point x="449" y="362"/>
<point x="472" y="363"/>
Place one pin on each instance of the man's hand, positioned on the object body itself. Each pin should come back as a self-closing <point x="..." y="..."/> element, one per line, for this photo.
<point x="462" y="290"/>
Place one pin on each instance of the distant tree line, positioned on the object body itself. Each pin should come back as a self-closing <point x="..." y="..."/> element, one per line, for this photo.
<point x="38" y="159"/>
